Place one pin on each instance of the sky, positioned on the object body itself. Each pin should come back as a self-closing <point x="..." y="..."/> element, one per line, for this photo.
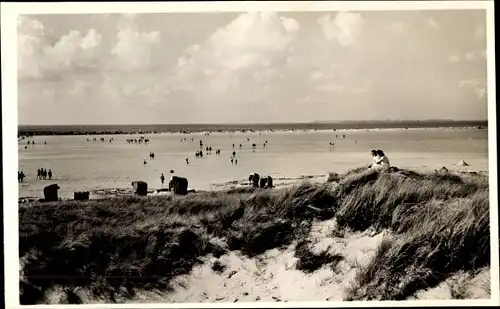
<point x="251" y="67"/>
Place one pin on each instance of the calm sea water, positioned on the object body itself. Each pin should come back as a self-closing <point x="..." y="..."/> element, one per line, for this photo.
<point x="81" y="165"/>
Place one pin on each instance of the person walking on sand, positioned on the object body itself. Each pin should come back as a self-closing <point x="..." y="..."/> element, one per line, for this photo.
<point x="38" y="174"/>
<point x="232" y="160"/>
<point x="50" y="174"/>
<point x="187" y="161"/>
<point x="162" y="179"/>
<point x="235" y="161"/>
<point x="145" y="162"/>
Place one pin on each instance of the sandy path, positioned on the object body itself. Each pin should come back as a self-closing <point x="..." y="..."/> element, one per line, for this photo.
<point x="273" y="276"/>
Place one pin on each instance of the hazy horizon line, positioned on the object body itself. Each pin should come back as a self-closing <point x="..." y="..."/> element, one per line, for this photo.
<point x="260" y="123"/>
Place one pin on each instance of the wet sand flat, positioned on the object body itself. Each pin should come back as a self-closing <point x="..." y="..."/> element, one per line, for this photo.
<point x="80" y="165"/>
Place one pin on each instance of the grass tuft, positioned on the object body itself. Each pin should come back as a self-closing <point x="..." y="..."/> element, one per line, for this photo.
<point x="309" y="261"/>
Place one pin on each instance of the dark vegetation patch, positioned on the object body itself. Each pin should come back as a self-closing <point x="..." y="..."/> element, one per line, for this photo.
<point x="309" y="261"/>
<point x="218" y="267"/>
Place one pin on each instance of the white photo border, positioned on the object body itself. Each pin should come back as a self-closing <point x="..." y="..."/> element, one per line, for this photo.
<point x="9" y="14"/>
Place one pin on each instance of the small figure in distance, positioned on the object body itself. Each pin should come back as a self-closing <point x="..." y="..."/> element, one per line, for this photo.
<point x="162" y="179"/>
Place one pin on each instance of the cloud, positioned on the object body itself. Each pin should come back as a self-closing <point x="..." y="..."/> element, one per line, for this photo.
<point x="79" y="88"/>
<point x="130" y="16"/>
<point x="433" y="24"/>
<point x="193" y="49"/>
<point x="31" y="27"/>
<point x="320" y="76"/>
<point x="480" y="31"/>
<point x="252" y="42"/>
<point x="395" y="27"/>
<point x="133" y="49"/>
<point x="477" y="85"/>
<point x="475" y="55"/>
<point x="454" y="58"/>
<point x="30" y="45"/>
<point x="74" y="51"/>
<point x="252" y="39"/>
<point x="317" y="75"/>
<point x="37" y="59"/>
<point x="345" y="27"/>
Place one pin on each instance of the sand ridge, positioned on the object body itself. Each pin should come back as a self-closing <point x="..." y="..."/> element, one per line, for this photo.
<point x="272" y="276"/>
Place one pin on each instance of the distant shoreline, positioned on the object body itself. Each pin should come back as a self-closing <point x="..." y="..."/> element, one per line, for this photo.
<point x="43" y="130"/>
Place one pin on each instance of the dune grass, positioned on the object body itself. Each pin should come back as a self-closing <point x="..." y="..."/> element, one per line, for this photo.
<point x="440" y="225"/>
<point x="116" y="247"/>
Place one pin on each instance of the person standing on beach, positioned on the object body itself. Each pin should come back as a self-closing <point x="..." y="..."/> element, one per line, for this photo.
<point x="21" y="176"/>
<point x="50" y="174"/>
<point x="187" y="161"/>
<point x="235" y="161"/>
<point x="38" y="174"/>
<point x="232" y="160"/>
<point x="162" y="179"/>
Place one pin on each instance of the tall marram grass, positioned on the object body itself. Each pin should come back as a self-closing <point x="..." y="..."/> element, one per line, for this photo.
<point x="113" y="248"/>
<point x="439" y="225"/>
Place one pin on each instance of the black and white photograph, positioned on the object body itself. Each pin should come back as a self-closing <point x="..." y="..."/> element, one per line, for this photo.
<point x="263" y="153"/>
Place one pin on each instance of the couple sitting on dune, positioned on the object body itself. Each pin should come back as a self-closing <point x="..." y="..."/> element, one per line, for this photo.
<point x="380" y="160"/>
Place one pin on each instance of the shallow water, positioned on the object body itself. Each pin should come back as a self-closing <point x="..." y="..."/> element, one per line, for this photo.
<point x="81" y="165"/>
